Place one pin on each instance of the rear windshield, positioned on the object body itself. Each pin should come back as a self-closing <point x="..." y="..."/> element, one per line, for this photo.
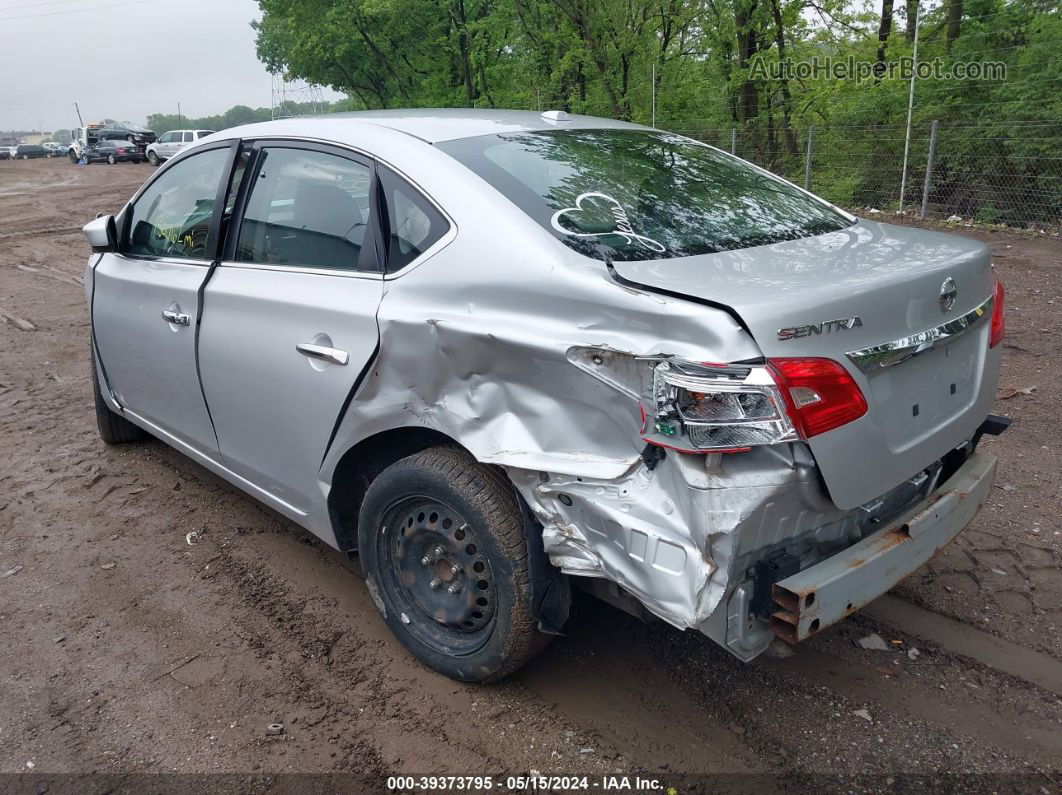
<point x="638" y="194"/>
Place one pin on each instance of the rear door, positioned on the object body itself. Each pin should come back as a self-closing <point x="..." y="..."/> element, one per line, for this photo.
<point x="145" y="304"/>
<point x="290" y="314"/>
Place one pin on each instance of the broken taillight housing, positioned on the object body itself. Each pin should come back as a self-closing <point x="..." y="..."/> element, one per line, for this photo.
<point x="700" y="407"/>
<point x="999" y="319"/>
<point x="730" y="408"/>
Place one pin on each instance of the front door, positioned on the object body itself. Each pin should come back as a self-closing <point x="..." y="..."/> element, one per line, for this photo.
<point x="145" y="302"/>
<point x="167" y="145"/>
<point x="289" y="319"/>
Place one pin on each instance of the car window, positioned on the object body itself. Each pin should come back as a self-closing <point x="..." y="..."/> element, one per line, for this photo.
<point x="413" y="223"/>
<point x="306" y="208"/>
<point x="641" y="194"/>
<point x="166" y="138"/>
<point x="172" y="216"/>
<point x="204" y="133"/>
<point x="188" y="136"/>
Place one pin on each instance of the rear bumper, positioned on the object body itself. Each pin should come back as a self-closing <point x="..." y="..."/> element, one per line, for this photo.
<point x="816" y="597"/>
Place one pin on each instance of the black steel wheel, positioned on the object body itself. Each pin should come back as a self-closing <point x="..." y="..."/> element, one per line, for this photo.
<point x="438" y="571"/>
<point x="445" y="559"/>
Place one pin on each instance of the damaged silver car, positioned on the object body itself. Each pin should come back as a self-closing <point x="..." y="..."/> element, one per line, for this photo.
<point x="499" y="354"/>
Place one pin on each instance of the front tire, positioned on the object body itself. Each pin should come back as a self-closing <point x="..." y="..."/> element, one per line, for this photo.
<point x="445" y="559"/>
<point x="153" y="159"/>
<point x="111" y="160"/>
<point x="114" y="428"/>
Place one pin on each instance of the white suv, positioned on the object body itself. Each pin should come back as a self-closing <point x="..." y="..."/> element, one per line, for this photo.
<point x="170" y="143"/>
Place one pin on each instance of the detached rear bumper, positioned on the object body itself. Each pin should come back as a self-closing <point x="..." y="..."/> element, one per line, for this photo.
<point x="812" y="599"/>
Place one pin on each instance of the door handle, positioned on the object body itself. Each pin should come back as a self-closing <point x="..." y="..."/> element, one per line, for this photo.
<point x="177" y="318"/>
<point x="333" y="355"/>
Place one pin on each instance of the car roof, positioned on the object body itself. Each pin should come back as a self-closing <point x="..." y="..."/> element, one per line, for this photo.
<point x="436" y="124"/>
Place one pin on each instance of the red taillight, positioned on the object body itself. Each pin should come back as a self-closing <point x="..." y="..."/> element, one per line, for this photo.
<point x="819" y="394"/>
<point x="999" y="319"/>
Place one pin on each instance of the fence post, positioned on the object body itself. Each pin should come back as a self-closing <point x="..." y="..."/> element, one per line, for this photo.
<point x="910" y="109"/>
<point x="929" y="168"/>
<point x="733" y="140"/>
<point x="807" y="160"/>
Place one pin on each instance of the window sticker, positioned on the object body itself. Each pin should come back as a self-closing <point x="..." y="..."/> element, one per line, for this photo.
<point x="603" y="214"/>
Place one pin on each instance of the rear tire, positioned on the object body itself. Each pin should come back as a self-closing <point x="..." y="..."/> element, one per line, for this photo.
<point x="445" y="559"/>
<point x="114" y="428"/>
<point x="111" y="160"/>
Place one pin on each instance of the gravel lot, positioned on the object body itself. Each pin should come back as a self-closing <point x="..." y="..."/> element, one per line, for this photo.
<point x="128" y="650"/>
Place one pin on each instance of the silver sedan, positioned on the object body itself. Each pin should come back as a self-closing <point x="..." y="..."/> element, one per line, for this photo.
<point x="499" y="354"/>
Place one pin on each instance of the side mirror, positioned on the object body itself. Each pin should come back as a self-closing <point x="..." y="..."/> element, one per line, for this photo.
<point x="102" y="234"/>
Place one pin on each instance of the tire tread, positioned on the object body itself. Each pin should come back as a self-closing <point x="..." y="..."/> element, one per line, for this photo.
<point x="495" y="496"/>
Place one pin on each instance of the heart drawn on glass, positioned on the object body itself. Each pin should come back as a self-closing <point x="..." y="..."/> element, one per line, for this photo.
<point x="620" y="218"/>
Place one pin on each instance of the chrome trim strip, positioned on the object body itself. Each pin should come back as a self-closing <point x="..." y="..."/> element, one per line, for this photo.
<point x="888" y="354"/>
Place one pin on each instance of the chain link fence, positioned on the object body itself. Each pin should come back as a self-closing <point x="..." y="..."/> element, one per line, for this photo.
<point x="1011" y="177"/>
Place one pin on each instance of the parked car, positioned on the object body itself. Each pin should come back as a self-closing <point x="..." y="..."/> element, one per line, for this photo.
<point x="54" y="149"/>
<point x="169" y="143"/>
<point x="113" y="151"/>
<point x="499" y="353"/>
<point x="30" y="151"/>
<point x="5" y="153"/>
<point x="124" y="131"/>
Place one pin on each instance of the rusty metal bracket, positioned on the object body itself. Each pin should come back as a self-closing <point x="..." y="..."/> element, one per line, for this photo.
<point x="838" y="586"/>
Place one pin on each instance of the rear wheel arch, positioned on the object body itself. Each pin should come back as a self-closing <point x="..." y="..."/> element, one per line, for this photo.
<point x="361" y="464"/>
<point x="365" y="460"/>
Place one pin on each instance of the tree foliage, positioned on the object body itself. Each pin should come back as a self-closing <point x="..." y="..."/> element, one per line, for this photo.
<point x="603" y="56"/>
<point x="697" y="66"/>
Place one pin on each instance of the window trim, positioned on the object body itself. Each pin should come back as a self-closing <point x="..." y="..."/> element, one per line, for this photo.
<point x="228" y="254"/>
<point x="345" y="148"/>
<point x="212" y="244"/>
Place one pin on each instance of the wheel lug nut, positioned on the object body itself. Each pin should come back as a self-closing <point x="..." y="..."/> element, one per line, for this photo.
<point x="455" y="588"/>
<point x="424" y="561"/>
<point x="438" y="551"/>
<point x="455" y="569"/>
<point x="434" y="584"/>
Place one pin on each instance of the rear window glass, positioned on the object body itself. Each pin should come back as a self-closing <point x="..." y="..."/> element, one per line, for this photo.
<point x="637" y="194"/>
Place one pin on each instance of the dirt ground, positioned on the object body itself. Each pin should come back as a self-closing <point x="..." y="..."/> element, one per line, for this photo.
<point x="127" y="650"/>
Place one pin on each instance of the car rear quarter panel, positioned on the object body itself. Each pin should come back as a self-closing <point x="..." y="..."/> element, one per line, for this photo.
<point x="474" y="340"/>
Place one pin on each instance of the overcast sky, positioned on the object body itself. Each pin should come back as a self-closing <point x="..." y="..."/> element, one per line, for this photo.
<point x="124" y="59"/>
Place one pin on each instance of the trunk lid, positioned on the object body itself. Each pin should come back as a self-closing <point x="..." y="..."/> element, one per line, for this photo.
<point x="800" y="298"/>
